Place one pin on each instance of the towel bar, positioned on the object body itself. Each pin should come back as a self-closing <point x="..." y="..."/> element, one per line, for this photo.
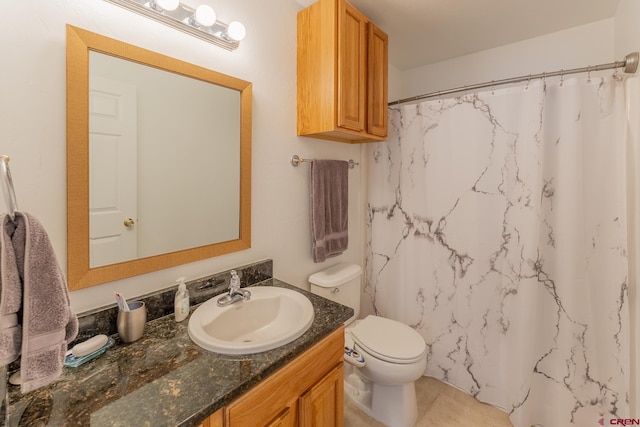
<point x="7" y="186"/>
<point x="296" y="160"/>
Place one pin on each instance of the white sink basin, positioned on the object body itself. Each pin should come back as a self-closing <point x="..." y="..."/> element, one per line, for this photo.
<point x="271" y="318"/>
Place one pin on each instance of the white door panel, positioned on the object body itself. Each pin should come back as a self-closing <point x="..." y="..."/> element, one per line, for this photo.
<point x="113" y="171"/>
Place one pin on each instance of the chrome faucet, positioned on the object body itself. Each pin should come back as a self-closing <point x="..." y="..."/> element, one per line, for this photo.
<point x="235" y="294"/>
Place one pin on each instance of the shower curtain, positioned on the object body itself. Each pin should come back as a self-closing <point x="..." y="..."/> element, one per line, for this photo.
<point x="497" y="228"/>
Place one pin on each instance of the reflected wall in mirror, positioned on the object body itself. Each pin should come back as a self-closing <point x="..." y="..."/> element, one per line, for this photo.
<point x="158" y="161"/>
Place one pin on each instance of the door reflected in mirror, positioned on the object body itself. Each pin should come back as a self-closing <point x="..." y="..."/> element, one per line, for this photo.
<point x="162" y="148"/>
<point x="158" y="158"/>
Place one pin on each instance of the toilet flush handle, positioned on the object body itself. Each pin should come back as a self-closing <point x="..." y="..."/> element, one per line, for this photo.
<point x="352" y="356"/>
<point x="335" y="290"/>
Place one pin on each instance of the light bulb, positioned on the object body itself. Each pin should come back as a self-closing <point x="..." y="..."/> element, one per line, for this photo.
<point x="167" y="4"/>
<point x="236" y="31"/>
<point x="205" y="15"/>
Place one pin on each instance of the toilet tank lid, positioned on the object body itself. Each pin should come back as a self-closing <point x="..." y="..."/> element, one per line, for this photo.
<point x="335" y="275"/>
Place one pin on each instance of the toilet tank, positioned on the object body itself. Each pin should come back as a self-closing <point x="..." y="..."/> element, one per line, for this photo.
<point x="339" y="283"/>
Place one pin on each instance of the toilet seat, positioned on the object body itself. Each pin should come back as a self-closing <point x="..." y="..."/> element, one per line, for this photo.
<point x="389" y="340"/>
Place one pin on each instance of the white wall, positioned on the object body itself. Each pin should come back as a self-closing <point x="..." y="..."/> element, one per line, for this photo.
<point x="396" y="83"/>
<point x="32" y="129"/>
<point x="577" y="47"/>
<point x="627" y="28"/>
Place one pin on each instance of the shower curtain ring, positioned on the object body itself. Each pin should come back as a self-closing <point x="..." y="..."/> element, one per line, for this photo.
<point x="561" y="77"/>
<point x="528" y="81"/>
<point x="616" y="75"/>
<point x="492" y="88"/>
<point x="589" y="74"/>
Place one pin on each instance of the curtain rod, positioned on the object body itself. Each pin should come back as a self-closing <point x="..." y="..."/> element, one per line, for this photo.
<point x="630" y="64"/>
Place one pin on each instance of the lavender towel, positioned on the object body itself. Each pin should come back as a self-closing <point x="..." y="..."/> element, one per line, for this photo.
<point x="36" y="320"/>
<point x="329" y="208"/>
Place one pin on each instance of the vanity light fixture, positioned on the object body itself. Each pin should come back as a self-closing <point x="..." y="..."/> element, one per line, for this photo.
<point x="203" y="16"/>
<point x="162" y="5"/>
<point x="200" y="22"/>
<point x="236" y="31"/>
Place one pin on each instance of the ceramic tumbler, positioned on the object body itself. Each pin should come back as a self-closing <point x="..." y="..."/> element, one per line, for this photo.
<point x="131" y="323"/>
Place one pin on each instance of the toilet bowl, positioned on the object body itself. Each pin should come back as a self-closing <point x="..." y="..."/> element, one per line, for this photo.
<point x="394" y="354"/>
<point x="395" y="357"/>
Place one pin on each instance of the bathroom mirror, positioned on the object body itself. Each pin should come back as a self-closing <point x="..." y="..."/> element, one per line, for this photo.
<point x="158" y="161"/>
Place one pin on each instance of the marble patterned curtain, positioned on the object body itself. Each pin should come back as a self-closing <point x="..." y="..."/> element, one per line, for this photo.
<point x="497" y="229"/>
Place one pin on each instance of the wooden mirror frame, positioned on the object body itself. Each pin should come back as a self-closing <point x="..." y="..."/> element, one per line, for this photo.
<point x="79" y="274"/>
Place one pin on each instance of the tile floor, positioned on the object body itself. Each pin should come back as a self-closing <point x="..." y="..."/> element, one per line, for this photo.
<point x="427" y="391"/>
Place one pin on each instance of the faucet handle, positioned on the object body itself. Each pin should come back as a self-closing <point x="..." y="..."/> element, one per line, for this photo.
<point x="234" y="284"/>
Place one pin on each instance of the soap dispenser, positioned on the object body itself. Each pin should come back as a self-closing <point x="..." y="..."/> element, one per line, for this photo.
<point x="181" y="303"/>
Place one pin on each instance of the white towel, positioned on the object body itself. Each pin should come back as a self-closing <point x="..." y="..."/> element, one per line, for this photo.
<point x="36" y="319"/>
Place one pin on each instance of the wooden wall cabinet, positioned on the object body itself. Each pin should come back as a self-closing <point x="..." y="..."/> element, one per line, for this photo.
<point x="342" y="74"/>
<point x="307" y="392"/>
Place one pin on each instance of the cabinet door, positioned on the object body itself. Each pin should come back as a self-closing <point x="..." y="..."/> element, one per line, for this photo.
<point x="377" y="77"/>
<point x="275" y="401"/>
<point x="286" y="418"/>
<point x="323" y="404"/>
<point x="262" y="415"/>
<point x="214" y="420"/>
<point x="352" y="64"/>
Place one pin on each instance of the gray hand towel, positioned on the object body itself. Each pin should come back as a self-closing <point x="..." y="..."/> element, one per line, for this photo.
<point x="329" y="208"/>
<point x="36" y="320"/>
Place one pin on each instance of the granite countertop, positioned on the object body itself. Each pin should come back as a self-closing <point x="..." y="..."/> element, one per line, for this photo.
<point x="163" y="379"/>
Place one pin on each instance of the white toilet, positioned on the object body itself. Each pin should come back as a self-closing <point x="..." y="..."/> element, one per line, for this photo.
<point x="394" y="354"/>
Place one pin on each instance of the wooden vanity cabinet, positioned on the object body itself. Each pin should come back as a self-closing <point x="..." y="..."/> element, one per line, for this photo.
<point x="306" y="392"/>
<point x="342" y="74"/>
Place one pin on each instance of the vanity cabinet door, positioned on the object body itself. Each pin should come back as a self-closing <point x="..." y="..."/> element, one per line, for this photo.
<point x="286" y="418"/>
<point x="276" y="401"/>
<point x="323" y="404"/>
<point x="214" y="420"/>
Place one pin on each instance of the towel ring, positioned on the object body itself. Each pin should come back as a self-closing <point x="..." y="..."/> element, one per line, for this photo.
<point x="7" y="187"/>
